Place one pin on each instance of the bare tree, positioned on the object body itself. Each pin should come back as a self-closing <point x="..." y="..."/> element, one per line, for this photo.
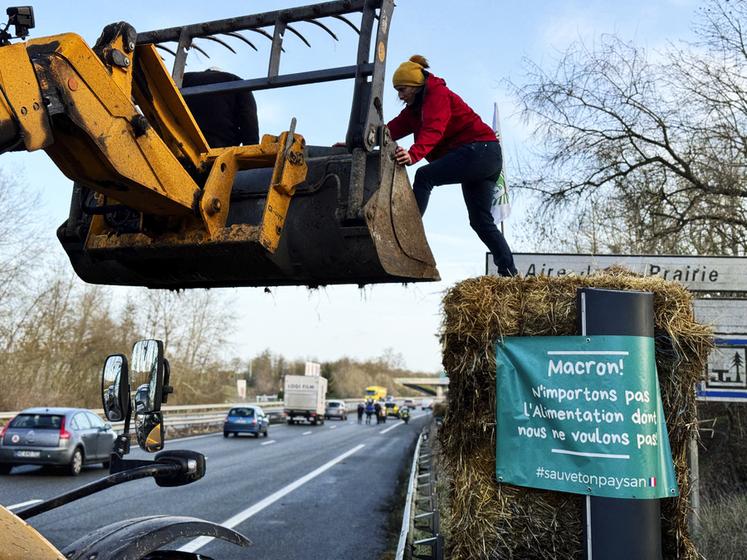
<point x="654" y="152"/>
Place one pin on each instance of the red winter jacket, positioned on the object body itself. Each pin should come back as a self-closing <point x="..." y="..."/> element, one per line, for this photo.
<point x="443" y="122"/>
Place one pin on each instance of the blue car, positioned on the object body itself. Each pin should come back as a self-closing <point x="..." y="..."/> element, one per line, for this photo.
<point x="248" y="419"/>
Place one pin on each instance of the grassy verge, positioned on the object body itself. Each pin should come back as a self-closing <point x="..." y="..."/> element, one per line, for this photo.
<point x="723" y="528"/>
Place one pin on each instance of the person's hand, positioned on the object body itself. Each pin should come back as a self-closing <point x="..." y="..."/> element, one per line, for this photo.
<point x="402" y="156"/>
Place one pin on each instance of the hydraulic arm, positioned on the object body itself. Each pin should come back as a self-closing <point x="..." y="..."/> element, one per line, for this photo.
<point x="114" y="122"/>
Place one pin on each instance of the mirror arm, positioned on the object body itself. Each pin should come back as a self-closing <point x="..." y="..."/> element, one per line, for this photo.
<point x="118" y="464"/>
<point x="144" y="471"/>
<point x="121" y="448"/>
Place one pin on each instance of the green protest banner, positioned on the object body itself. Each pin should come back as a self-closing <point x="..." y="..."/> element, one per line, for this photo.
<point x="582" y="414"/>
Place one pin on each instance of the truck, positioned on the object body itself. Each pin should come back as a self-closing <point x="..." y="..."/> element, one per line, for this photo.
<point x="305" y="397"/>
<point x="375" y="393"/>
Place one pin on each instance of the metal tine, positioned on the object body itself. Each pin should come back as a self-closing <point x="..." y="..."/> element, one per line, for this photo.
<point x="168" y="50"/>
<point x="211" y="38"/>
<point x="198" y="49"/>
<point x="297" y="34"/>
<point x="350" y="23"/>
<point x="264" y="33"/>
<point x="320" y="24"/>
<point x="241" y="37"/>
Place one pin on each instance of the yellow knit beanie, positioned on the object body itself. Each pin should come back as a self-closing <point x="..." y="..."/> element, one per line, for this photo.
<point x="410" y="73"/>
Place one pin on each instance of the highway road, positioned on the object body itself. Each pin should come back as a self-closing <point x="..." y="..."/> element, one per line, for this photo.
<point x="311" y="492"/>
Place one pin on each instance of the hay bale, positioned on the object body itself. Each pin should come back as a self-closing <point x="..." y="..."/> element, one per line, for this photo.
<point x="492" y="520"/>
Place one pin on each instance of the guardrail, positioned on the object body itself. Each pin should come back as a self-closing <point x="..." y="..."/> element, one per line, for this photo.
<point x="177" y="416"/>
<point x="421" y="508"/>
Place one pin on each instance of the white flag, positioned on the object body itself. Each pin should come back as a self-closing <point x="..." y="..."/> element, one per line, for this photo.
<point x="500" y="207"/>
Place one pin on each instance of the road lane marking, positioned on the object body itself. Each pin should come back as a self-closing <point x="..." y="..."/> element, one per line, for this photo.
<point x="306" y="433"/>
<point x="268" y="442"/>
<point x="214" y="434"/>
<point x="24" y="504"/>
<point x="391" y="428"/>
<point x="230" y="523"/>
<point x="332" y="427"/>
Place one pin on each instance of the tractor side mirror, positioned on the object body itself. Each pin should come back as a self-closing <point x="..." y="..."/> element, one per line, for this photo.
<point x="147" y="372"/>
<point x="115" y="388"/>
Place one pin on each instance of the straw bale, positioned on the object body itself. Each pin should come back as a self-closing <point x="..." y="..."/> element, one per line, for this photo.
<point x="492" y="520"/>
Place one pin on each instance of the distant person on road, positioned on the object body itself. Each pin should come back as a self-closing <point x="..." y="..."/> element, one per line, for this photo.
<point x="226" y="119"/>
<point x="377" y="410"/>
<point x="369" y="411"/>
<point x="459" y="146"/>
<point x="361" y="411"/>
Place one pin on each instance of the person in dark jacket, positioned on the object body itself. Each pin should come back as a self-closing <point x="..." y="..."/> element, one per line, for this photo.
<point x="226" y="119"/>
<point x="361" y="410"/>
<point x="460" y="147"/>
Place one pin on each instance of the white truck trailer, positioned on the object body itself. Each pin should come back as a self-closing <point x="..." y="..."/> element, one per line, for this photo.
<point x="304" y="397"/>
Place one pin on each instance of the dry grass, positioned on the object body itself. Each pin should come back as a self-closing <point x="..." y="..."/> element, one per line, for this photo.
<point x="723" y="528"/>
<point x="491" y="520"/>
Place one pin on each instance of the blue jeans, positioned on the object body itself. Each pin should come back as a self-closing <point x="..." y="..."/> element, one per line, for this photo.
<point x="477" y="167"/>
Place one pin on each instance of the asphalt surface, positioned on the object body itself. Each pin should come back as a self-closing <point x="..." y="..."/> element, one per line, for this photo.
<point x="311" y="492"/>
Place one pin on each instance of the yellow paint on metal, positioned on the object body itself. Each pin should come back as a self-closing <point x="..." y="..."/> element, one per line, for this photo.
<point x="21" y="90"/>
<point x="18" y="540"/>
<point x="73" y="49"/>
<point x="139" y="153"/>
<point x="104" y="150"/>
<point x="10" y="133"/>
<point x="290" y="170"/>
<point x="160" y="100"/>
<point x="121" y="75"/>
<point x="216" y="196"/>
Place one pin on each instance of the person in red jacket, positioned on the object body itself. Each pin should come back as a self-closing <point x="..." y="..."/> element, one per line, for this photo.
<point x="458" y="145"/>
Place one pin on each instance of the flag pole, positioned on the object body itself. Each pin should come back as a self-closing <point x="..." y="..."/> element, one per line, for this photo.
<point x="497" y="130"/>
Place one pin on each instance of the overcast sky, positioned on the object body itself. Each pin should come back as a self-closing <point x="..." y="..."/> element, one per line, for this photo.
<point x="473" y="44"/>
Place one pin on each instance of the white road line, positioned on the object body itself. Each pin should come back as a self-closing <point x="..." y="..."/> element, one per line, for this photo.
<point x="24" y="504"/>
<point x="332" y="427"/>
<point x="214" y="434"/>
<point x="390" y="428"/>
<point x="196" y="544"/>
<point x="306" y="433"/>
<point x="268" y="442"/>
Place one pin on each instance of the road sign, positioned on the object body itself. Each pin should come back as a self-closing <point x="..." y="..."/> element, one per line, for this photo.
<point x="726" y="372"/>
<point x="699" y="274"/>
<point x="727" y="316"/>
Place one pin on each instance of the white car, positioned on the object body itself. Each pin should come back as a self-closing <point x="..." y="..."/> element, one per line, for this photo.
<point x="336" y="409"/>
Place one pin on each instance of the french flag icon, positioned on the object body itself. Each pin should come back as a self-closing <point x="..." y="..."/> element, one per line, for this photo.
<point x="652" y="482"/>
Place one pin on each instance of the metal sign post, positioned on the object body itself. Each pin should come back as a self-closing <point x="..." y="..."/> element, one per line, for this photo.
<point x="619" y="529"/>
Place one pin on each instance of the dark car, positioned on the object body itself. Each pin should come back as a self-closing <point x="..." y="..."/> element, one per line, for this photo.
<point x="336" y="409"/>
<point x="248" y="419"/>
<point x="276" y="416"/>
<point x="69" y="437"/>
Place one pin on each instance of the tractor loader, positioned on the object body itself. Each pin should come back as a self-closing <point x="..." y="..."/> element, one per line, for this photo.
<point x="154" y="205"/>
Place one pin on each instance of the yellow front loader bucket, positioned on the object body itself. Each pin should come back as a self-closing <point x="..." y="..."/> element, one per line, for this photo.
<point x="320" y="245"/>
